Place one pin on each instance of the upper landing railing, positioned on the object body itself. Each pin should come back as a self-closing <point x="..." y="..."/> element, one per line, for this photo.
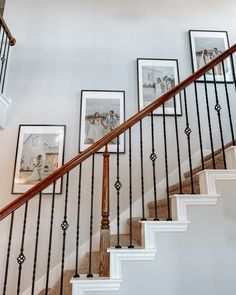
<point x="6" y="40"/>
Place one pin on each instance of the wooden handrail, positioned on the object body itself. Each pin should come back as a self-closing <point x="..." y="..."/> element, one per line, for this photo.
<point x="7" y="31"/>
<point x="110" y="136"/>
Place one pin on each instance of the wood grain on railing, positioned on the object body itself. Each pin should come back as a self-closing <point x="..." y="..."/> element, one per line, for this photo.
<point x="112" y="135"/>
<point x="12" y="40"/>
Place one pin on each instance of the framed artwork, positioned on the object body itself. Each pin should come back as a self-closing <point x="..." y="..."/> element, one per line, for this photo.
<point x="39" y="152"/>
<point x="155" y="78"/>
<point x="101" y="112"/>
<point x="207" y="45"/>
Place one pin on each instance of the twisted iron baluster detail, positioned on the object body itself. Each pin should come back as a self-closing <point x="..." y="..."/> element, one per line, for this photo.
<point x="153" y="158"/>
<point x="118" y="186"/>
<point x="64" y="226"/>
<point x="76" y="275"/>
<point x="188" y="132"/>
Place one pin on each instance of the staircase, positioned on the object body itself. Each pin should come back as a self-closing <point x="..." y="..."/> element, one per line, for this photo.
<point x="59" y="263"/>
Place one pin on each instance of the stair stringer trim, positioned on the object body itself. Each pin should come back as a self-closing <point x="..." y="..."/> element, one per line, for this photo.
<point x="180" y="205"/>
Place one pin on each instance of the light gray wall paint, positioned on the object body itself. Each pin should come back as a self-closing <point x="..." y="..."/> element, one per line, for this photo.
<point x="63" y="48"/>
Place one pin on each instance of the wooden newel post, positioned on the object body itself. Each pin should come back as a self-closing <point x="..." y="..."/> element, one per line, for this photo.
<point x="105" y="224"/>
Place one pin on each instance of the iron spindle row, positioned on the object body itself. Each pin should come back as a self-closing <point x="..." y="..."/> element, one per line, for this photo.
<point x="3" y="56"/>
<point x="5" y="68"/>
<point x="209" y="122"/>
<point x="36" y="243"/>
<point x="218" y="109"/>
<point x="142" y="172"/>
<point x="8" y="254"/>
<point x="153" y="158"/>
<point x="188" y="132"/>
<point x="228" y="103"/>
<point x="177" y="145"/>
<point x="166" y="162"/>
<point x="50" y="238"/>
<point x="64" y="227"/>
<point x="21" y="258"/>
<point x="76" y="275"/>
<point x="130" y="192"/>
<point x="90" y="275"/>
<point x="199" y="125"/>
<point x="118" y="187"/>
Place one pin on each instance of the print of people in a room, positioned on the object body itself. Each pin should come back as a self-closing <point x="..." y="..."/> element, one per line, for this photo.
<point x="100" y="125"/>
<point x="38" y="167"/>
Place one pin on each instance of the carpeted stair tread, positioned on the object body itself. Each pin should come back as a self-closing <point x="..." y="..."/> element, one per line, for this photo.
<point x="218" y="151"/>
<point x="124" y="240"/>
<point x="208" y="165"/>
<point x="67" y="288"/>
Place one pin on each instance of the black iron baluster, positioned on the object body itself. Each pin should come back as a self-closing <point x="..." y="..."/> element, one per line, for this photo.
<point x="76" y="275"/>
<point x="142" y="173"/>
<point x="50" y="238"/>
<point x="90" y="275"/>
<point x="228" y="103"/>
<point x="8" y="254"/>
<point x="21" y="258"/>
<point x="218" y="109"/>
<point x="178" y="150"/>
<point x="2" y="39"/>
<point x="3" y="59"/>
<point x="130" y="192"/>
<point x="118" y="187"/>
<point x="64" y="226"/>
<point x="166" y="163"/>
<point x="209" y="122"/>
<point x="188" y="132"/>
<point x="199" y="125"/>
<point x="234" y="78"/>
<point x="36" y="244"/>
<point x="153" y="158"/>
<point x="5" y="69"/>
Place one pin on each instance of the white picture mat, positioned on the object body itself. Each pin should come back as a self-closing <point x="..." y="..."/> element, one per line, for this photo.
<point x="60" y="130"/>
<point x="208" y="35"/>
<point x="119" y="95"/>
<point x="158" y="63"/>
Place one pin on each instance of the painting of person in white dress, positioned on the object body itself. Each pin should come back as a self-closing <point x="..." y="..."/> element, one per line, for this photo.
<point x="95" y="128"/>
<point x="37" y="173"/>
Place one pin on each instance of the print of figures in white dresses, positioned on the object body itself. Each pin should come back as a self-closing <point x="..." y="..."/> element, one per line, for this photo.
<point x="156" y="82"/>
<point x="38" y="166"/>
<point x="99" y="125"/>
<point x="205" y="56"/>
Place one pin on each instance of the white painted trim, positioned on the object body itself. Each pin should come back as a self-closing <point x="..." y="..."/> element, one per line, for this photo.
<point x="80" y="286"/>
<point x="208" y="178"/>
<point x="117" y="256"/>
<point x="150" y="228"/>
<point x="230" y="154"/>
<point x="179" y="204"/>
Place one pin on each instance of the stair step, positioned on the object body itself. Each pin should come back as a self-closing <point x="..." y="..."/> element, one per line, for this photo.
<point x="186" y="186"/>
<point x="162" y="210"/>
<point x="218" y="151"/>
<point x="125" y="239"/>
<point x="67" y="287"/>
<point x="208" y="165"/>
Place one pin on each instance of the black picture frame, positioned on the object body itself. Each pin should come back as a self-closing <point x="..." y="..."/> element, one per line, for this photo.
<point x="205" y="45"/>
<point x="101" y="102"/>
<point x="155" y="77"/>
<point x="34" y="140"/>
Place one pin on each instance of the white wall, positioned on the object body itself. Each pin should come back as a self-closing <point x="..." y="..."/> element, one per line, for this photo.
<point x="63" y="47"/>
